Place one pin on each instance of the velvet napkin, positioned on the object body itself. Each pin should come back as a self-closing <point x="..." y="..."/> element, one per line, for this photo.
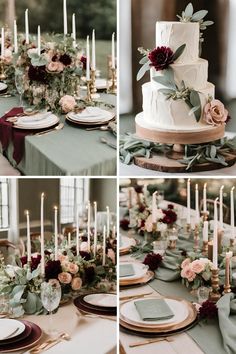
<point x="153" y="309"/>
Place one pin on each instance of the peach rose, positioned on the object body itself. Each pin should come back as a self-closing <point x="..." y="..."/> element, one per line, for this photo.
<point x="65" y="278"/>
<point x="149" y="224"/>
<point x="188" y="273"/>
<point x="67" y="103"/>
<point x="62" y="258"/>
<point x="72" y="268"/>
<point x="7" y="56"/>
<point x="76" y="283"/>
<point x="215" y="113"/>
<point x="185" y="263"/>
<point x="84" y="246"/>
<point x="111" y="255"/>
<point x="197" y="266"/>
<point x="55" y="66"/>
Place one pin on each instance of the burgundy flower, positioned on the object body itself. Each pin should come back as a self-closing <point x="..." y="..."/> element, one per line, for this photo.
<point x="83" y="60"/>
<point x="89" y="274"/>
<point x="84" y="238"/>
<point x="183" y="253"/>
<point x="34" y="261"/>
<point x="161" y="58"/>
<point x="55" y="58"/>
<point x="52" y="269"/>
<point x="65" y="59"/>
<point x="141" y="208"/>
<point x="85" y="255"/>
<point x="138" y="189"/>
<point x="37" y="73"/>
<point x="208" y="310"/>
<point x="170" y="206"/>
<point x="124" y="224"/>
<point x="170" y="216"/>
<point x="152" y="260"/>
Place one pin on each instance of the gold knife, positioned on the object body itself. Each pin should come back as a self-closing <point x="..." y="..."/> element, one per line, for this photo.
<point x="149" y="341"/>
<point x="122" y="298"/>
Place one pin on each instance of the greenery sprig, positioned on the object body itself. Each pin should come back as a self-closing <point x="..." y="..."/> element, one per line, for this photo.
<point x="172" y="91"/>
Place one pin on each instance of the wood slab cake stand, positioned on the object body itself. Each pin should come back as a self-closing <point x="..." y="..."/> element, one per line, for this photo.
<point x="168" y="161"/>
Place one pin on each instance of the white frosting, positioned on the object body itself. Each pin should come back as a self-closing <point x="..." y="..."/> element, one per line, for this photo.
<point x="171" y="114"/>
<point x="174" y="34"/>
<point x="194" y="75"/>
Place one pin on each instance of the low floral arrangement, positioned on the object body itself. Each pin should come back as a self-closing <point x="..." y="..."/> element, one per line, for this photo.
<point x="8" y="63"/>
<point x="74" y="274"/>
<point x="196" y="272"/>
<point x="53" y="74"/>
<point x="165" y="217"/>
<point x="207" y="311"/>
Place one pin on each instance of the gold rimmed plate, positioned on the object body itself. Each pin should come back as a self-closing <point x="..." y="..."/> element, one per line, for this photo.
<point x="145" y="279"/>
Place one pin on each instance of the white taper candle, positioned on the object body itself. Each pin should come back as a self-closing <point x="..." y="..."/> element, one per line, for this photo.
<point x="15" y="37"/>
<point x="215" y="236"/>
<point x="93" y="63"/>
<point x="56" y="233"/>
<point x="42" y="234"/>
<point x="232" y="212"/>
<point x="65" y="17"/>
<point x="87" y="60"/>
<point x="27" y="26"/>
<point x="28" y="236"/>
<point x="95" y="229"/>
<point x="188" y="201"/>
<point x="104" y="246"/>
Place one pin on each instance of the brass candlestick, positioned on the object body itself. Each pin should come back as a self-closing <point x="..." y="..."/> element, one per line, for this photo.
<point x="113" y="87"/>
<point x="214" y="294"/>
<point x="205" y="215"/>
<point x="172" y="243"/>
<point x="88" y="97"/>
<point x="227" y="289"/>
<point x="220" y="235"/>
<point x="196" y="238"/>
<point x="232" y="242"/>
<point x="93" y="88"/>
<point x="2" y="70"/>
<point x="205" y="248"/>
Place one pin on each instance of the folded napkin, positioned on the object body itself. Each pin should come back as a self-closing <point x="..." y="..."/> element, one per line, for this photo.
<point x="34" y="118"/>
<point x="153" y="309"/>
<point x="227" y="322"/>
<point x="126" y="270"/>
<point x="91" y="114"/>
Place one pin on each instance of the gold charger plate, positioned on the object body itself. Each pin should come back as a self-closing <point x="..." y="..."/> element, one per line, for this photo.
<point x="91" y="123"/>
<point x="163" y="329"/>
<point x="160" y="326"/>
<point x="143" y="280"/>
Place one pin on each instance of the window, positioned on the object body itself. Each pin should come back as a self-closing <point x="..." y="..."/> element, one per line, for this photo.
<point x="73" y="193"/>
<point x="4" y="203"/>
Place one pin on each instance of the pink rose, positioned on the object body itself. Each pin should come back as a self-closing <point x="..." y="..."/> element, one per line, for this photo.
<point x="84" y="246"/>
<point x="149" y="224"/>
<point x="197" y="266"/>
<point x="215" y="113"/>
<point x="72" y="268"/>
<point x="188" y="273"/>
<point x="64" y="277"/>
<point x="111" y="255"/>
<point x="185" y="263"/>
<point x="67" y="103"/>
<point x="62" y="258"/>
<point x="76" y="283"/>
<point x="55" y="66"/>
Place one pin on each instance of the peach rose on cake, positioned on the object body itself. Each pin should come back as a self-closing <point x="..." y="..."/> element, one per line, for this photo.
<point x="188" y="273"/>
<point x="67" y="103"/>
<point x="76" y="283"/>
<point x="198" y="266"/>
<point x="214" y="113"/>
<point x="65" y="278"/>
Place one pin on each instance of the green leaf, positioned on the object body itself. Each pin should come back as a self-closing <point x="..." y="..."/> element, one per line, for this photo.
<point x="213" y="151"/>
<point x="195" y="101"/>
<point x="143" y="70"/>
<point x="38" y="60"/>
<point x="17" y="292"/>
<point x="144" y="60"/>
<point x="167" y="79"/>
<point x="199" y="15"/>
<point x="30" y="305"/>
<point x="179" y="52"/>
<point x="127" y="159"/>
<point x="188" y="10"/>
<point x="208" y="23"/>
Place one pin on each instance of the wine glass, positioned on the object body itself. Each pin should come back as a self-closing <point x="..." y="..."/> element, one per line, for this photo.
<point x="19" y="82"/>
<point x="50" y="297"/>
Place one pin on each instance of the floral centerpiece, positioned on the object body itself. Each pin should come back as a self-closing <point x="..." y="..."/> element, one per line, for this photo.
<point x="8" y="68"/>
<point x="74" y="273"/>
<point x="52" y="73"/>
<point x="196" y="272"/>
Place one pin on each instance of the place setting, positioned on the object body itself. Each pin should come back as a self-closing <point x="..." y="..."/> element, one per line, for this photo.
<point x="133" y="274"/>
<point x="126" y="244"/>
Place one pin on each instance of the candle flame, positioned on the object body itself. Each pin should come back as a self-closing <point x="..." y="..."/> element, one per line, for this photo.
<point x="26" y="212"/>
<point x="43" y="195"/>
<point x="95" y="203"/>
<point x="107" y="207"/>
<point x="55" y="207"/>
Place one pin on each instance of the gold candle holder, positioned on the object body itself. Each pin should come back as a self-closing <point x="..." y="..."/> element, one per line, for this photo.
<point x="93" y="88"/>
<point x="113" y="88"/>
<point x="220" y="235"/>
<point x="2" y="70"/>
<point x="214" y="294"/>
<point x="172" y="243"/>
<point x="205" y="215"/>
<point x="232" y="242"/>
<point x="205" y="248"/>
<point x="196" y="238"/>
<point x="88" y="97"/>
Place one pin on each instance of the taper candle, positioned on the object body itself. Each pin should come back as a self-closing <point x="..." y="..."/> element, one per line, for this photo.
<point x="87" y="60"/>
<point x="39" y="40"/>
<point x="95" y="229"/>
<point x="73" y="31"/>
<point x="104" y="246"/>
<point x="108" y="222"/>
<point x="215" y="236"/>
<point x="65" y="17"/>
<point x="15" y="37"/>
<point x="197" y="204"/>
<point x="228" y="256"/>
<point x="205" y="197"/>
<point x="205" y="231"/>
<point x="77" y="231"/>
<point x="93" y="63"/>
<point x="27" y="26"/>
<point x="2" y="43"/>
<point x="113" y="56"/>
<point x="69" y="239"/>
<point x="154" y="207"/>
<point x="42" y="234"/>
<point x="56" y="233"/>
<point x="232" y="212"/>
<point x="28" y="236"/>
<point x="88" y="226"/>
<point x="188" y="202"/>
<point x="221" y="207"/>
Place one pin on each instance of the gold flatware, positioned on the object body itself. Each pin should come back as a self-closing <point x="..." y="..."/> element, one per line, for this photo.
<point x="58" y="127"/>
<point x="122" y="349"/>
<point x="107" y="142"/>
<point x="88" y="315"/>
<point x="50" y="343"/>
<point x="103" y="128"/>
<point x="122" y="298"/>
<point x="150" y="341"/>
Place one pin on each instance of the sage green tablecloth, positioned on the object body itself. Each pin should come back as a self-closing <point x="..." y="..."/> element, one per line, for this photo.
<point x="69" y="152"/>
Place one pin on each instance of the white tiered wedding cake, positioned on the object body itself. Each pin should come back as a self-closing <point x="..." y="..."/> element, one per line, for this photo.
<point x="179" y="103"/>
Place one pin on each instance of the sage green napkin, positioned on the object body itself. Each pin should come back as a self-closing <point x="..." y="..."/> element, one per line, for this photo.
<point x="126" y="270"/>
<point x="227" y="322"/>
<point x="153" y="309"/>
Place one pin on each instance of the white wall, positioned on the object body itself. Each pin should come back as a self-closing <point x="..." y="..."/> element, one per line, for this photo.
<point x="231" y="55"/>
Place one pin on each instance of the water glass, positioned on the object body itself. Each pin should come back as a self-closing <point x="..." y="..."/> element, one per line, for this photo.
<point x="159" y="247"/>
<point x="19" y="82"/>
<point x="50" y="297"/>
<point x="203" y="294"/>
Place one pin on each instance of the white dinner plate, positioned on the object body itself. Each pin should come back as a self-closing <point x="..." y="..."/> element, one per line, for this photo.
<point x="91" y="116"/>
<point x="126" y="242"/>
<point x="140" y="271"/>
<point x="3" y="86"/>
<point x="103" y="300"/>
<point x="10" y="328"/>
<point x="180" y="309"/>
<point x="46" y="122"/>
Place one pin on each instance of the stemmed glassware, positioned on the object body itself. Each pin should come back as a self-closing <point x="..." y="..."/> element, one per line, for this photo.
<point x="19" y="82"/>
<point x="50" y="297"/>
